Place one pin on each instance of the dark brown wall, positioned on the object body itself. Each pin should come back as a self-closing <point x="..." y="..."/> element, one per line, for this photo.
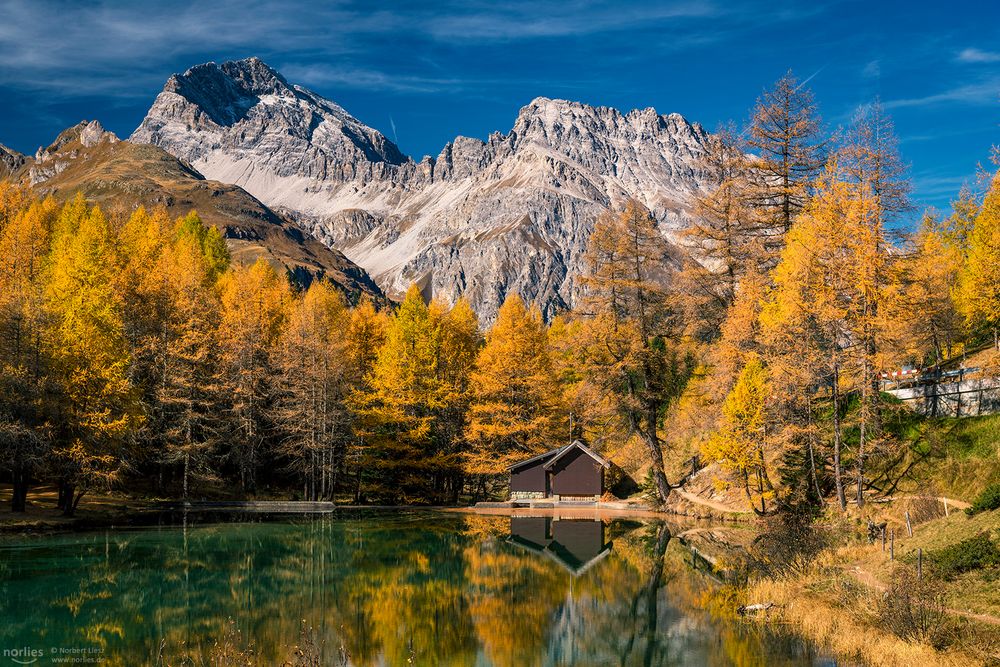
<point x="577" y="474"/>
<point x="580" y="539"/>
<point x="529" y="478"/>
<point x="535" y="530"/>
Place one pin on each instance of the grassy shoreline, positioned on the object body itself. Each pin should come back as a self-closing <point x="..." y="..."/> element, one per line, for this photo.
<point x="842" y="597"/>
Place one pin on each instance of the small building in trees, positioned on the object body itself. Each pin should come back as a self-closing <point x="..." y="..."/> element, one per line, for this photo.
<point x="570" y="472"/>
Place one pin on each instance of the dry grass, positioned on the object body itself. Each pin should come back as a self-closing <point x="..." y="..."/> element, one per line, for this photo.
<point x="972" y="592"/>
<point x="849" y="632"/>
<point x="836" y="602"/>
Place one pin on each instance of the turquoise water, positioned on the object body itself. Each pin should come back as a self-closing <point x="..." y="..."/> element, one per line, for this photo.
<point x="373" y="588"/>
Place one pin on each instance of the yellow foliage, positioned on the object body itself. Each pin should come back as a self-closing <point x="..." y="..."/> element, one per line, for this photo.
<point x="979" y="290"/>
<point x="514" y="393"/>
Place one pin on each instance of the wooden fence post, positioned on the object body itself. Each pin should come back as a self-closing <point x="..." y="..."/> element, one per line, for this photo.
<point x="909" y="528"/>
<point x="892" y="544"/>
<point x="945" y="506"/>
<point x="882" y="531"/>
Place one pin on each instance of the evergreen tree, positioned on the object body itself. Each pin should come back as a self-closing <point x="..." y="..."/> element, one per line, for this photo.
<point x="633" y="355"/>
<point x="979" y="292"/>
<point x="514" y="395"/>
<point x="254" y="310"/>
<point x="90" y="353"/>
<point x="315" y="375"/>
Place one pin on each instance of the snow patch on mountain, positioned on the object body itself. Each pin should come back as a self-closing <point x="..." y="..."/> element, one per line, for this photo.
<point x="483" y="219"/>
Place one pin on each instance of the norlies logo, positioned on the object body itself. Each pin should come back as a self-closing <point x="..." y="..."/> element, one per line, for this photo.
<point x="24" y="655"/>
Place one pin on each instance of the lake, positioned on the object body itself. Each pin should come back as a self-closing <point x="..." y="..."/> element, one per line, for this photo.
<point x="414" y="587"/>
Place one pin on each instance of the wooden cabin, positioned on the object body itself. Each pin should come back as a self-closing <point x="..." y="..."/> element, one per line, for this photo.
<point x="570" y="472"/>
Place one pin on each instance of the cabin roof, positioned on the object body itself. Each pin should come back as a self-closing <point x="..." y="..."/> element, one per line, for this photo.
<point x="559" y="452"/>
<point x="576" y="444"/>
<point x="537" y="457"/>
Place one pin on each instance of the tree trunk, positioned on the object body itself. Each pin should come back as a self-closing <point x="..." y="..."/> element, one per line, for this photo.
<point x="187" y="465"/>
<point x="65" y="495"/>
<point x="812" y="455"/>
<point x="69" y="506"/>
<point x="837" y="468"/>
<point x="652" y="441"/>
<point x="860" y="467"/>
<point x="19" y="498"/>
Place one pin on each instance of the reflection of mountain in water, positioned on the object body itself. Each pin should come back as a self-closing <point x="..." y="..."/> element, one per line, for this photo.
<point x="576" y="544"/>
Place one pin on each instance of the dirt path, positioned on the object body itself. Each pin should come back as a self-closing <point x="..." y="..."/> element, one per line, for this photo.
<point x="868" y="579"/>
<point x="698" y="500"/>
<point x="951" y="502"/>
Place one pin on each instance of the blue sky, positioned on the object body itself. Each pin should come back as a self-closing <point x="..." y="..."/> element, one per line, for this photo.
<point x="425" y="72"/>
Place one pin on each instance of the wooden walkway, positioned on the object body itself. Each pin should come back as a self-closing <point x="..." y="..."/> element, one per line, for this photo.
<point x="273" y="506"/>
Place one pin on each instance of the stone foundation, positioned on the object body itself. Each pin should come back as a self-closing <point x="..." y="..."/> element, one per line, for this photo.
<point x="526" y="495"/>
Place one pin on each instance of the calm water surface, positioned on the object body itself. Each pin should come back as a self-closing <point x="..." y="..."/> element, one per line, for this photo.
<point x="401" y="588"/>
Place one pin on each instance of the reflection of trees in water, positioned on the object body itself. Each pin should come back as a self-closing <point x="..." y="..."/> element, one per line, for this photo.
<point x="626" y="602"/>
<point x="434" y="589"/>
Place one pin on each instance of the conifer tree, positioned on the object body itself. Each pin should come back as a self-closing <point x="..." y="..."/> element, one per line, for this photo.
<point x="724" y="235"/>
<point x="188" y="393"/>
<point x="784" y="137"/>
<point x="396" y="414"/>
<point x="957" y="228"/>
<point x="979" y="292"/>
<point x="930" y="323"/>
<point x="869" y="163"/>
<point x="90" y="352"/>
<point x="459" y="344"/>
<point x="254" y="310"/>
<point x="633" y="351"/>
<point x="740" y="442"/>
<point x="514" y="396"/>
<point x="315" y="375"/>
<point x="25" y="371"/>
<point x="365" y="336"/>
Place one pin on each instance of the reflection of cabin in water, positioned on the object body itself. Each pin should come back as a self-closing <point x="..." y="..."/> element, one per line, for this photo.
<point x="576" y="544"/>
<point x="570" y="472"/>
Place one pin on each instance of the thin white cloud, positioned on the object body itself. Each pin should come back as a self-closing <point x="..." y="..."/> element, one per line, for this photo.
<point x="123" y="49"/>
<point x="364" y="78"/>
<point x="978" y="56"/>
<point x="529" y="20"/>
<point x="873" y="70"/>
<point x="986" y="92"/>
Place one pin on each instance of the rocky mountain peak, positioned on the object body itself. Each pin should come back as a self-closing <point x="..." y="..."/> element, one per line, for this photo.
<point x="78" y="138"/>
<point x="256" y="77"/>
<point x="10" y="161"/>
<point x="483" y="219"/>
<point x="226" y="92"/>
<point x="253" y="112"/>
<point x="87" y="133"/>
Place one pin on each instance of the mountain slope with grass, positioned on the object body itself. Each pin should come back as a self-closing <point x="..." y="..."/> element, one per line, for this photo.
<point x="119" y="174"/>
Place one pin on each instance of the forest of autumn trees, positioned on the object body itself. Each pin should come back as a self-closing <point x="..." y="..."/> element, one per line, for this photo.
<point x="136" y="355"/>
